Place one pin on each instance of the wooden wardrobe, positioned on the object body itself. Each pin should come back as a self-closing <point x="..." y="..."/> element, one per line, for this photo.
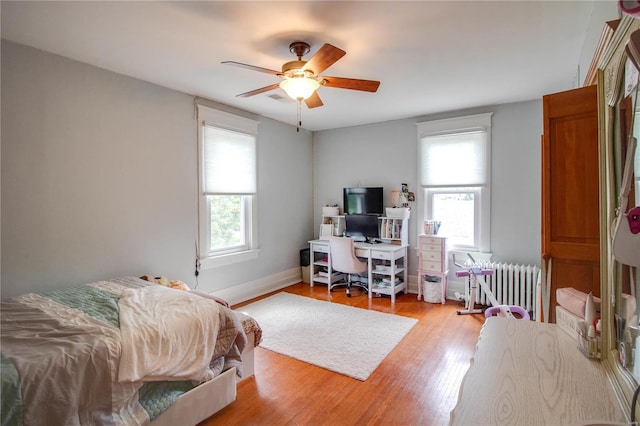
<point x="570" y="207"/>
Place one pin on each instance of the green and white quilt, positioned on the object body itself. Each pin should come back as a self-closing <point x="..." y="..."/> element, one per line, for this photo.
<point x="111" y="352"/>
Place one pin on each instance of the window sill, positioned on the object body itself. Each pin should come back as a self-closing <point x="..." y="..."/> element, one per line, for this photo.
<point x="460" y="255"/>
<point x="228" y="259"/>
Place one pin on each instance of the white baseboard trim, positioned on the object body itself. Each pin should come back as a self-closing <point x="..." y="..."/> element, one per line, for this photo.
<point x="413" y="284"/>
<point x="454" y="287"/>
<point x="246" y="291"/>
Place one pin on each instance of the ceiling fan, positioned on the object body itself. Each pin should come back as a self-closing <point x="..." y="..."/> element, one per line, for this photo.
<point x="300" y="78"/>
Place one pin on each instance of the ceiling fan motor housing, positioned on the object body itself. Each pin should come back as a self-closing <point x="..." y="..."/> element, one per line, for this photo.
<point x="294" y="69"/>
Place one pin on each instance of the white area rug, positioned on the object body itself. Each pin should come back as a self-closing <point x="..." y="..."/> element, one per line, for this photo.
<point x="347" y="340"/>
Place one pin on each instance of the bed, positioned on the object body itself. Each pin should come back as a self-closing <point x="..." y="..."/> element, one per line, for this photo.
<point x="123" y="351"/>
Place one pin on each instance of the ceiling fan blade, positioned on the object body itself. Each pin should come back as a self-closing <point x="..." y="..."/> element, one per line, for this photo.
<point x="252" y="67"/>
<point x="326" y="56"/>
<point x="351" y="83"/>
<point x="258" y="91"/>
<point x="313" y="101"/>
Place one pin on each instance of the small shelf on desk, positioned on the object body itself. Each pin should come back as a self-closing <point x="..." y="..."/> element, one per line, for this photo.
<point x="335" y="276"/>
<point x="387" y="288"/>
<point x="387" y="271"/>
<point x="394" y="230"/>
<point x="337" y="221"/>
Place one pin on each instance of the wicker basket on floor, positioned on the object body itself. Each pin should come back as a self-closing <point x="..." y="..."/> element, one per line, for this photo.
<point x="432" y="290"/>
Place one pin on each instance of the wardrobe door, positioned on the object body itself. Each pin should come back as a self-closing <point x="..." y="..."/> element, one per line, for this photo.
<point x="570" y="209"/>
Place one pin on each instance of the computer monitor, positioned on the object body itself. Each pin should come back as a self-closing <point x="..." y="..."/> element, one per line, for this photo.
<point x="360" y="200"/>
<point x="362" y="227"/>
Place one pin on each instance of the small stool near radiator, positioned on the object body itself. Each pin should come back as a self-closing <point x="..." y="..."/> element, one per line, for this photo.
<point x="495" y="311"/>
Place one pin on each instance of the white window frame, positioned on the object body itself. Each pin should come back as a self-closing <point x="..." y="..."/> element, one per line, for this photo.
<point x="211" y="258"/>
<point x="430" y="192"/>
<point x="482" y="193"/>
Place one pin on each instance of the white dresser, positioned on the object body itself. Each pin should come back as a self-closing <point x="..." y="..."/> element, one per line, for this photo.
<point x="432" y="263"/>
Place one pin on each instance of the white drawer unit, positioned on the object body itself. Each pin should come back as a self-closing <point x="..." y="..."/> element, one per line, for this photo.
<point x="433" y="267"/>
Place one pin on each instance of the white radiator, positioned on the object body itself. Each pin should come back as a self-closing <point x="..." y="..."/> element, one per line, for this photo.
<point x="511" y="285"/>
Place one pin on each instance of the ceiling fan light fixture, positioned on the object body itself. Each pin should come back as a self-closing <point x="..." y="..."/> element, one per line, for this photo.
<point x="299" y="88"/>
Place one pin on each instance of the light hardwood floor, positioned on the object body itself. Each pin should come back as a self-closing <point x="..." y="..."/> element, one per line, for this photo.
<point x="417" y="384"/>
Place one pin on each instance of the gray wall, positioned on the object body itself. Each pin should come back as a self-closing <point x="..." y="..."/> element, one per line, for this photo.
<point x="384" y="154"/>
<point x="98" y="176"/>
<point x="99" y="180"/>
<point x="602" y="12"/>
<point x="388" y="151"/>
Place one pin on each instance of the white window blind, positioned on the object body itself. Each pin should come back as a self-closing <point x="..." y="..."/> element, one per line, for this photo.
<point x="229" y="162"/>
<point x="454" y="172"/>
<point x="454" y="159"/>
<point x="227" y="170"/>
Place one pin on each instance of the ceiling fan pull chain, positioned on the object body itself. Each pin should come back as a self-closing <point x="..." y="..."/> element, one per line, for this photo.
<point x="299" y="115"/>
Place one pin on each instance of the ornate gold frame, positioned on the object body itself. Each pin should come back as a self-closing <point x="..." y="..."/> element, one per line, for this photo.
<point x="610" y="75"/>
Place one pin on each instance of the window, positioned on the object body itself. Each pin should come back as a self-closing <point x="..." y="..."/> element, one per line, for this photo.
<point x="227" y="187"/>
<point x="454" y="177"/>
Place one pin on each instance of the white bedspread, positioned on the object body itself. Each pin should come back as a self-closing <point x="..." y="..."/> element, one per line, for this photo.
<point x="157" y="346"/>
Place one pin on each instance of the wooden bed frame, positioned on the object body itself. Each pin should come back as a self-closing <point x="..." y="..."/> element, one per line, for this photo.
<point x="207" y="399"/>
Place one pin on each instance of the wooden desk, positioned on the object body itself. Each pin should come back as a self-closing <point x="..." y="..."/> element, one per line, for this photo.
<point x="529" y="373"/>
<point x="383" y="260"/>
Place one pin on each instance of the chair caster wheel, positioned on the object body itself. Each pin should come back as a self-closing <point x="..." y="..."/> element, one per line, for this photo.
<point x="348" y="294"/>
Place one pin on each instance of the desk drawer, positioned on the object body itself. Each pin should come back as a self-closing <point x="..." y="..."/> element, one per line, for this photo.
<point x="383" y="255"/>
<point x="429" y="265"/>
<point x="321" y="248"/>
<point x="361" y="252"/>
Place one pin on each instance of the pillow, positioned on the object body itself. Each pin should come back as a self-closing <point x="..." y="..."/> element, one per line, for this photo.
<point x="574" y="300"/>
<point x="211" y="296"/>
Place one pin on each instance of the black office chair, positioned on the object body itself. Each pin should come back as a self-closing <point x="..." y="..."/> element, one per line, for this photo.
<point x="343" y="259"/>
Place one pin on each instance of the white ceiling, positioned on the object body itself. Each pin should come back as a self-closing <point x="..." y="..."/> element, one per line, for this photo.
<point x="430" y="56"/>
